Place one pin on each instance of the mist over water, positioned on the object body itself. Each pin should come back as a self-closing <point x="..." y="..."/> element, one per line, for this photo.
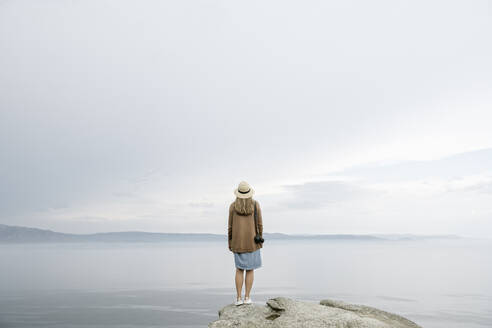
<point x="436" y="283"/>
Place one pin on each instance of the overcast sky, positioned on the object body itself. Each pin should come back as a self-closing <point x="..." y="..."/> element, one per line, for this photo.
<point x="344" y="116"/>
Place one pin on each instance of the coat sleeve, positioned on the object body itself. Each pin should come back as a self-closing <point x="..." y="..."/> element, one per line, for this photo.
<point x="229" y="229"/>
<point x="260" y="219"/>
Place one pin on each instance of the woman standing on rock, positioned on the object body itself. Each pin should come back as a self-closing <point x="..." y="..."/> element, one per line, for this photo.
<point x="245" y="238"/>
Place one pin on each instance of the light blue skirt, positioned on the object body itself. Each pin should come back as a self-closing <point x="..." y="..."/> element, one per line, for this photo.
<point x="248" y="260"/>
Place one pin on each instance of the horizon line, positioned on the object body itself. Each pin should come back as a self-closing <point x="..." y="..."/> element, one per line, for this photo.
<point x="280" y="233"/>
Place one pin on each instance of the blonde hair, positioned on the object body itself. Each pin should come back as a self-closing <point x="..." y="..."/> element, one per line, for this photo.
<point x="244" y="206"/>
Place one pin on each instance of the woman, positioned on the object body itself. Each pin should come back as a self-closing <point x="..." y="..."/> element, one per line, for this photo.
<point x="241" y="233"/>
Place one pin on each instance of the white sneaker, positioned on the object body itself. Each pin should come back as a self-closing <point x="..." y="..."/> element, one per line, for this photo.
<point x="239" y="302"/>
<point x="247" y="300"/>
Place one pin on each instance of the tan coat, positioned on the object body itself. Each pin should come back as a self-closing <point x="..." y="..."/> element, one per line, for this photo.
<point x="241" y="232"/>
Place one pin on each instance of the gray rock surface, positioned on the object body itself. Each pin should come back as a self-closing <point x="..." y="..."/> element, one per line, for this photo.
<point x="286" y="312"/>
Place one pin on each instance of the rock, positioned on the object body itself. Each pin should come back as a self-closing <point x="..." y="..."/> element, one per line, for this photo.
<point x="286" y="312"/>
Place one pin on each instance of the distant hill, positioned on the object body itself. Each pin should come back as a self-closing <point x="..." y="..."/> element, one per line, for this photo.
<point x="18" y="234"/>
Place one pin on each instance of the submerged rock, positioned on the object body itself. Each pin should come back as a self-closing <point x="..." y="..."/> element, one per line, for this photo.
<point x="286" y="312"/>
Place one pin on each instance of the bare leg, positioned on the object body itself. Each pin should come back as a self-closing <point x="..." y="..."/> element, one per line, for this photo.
<point x="250" y="275"/>
<point x="239" y="282"/>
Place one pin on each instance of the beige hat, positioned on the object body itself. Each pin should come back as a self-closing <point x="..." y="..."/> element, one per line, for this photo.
<point x="244" y="190"/>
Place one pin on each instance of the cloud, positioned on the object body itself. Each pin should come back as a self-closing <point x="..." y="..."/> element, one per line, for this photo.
<point x="449" y="167"/>
<point x="201" y="204"/>
<point x="319" y="194"/>
<point x="484" y="187"/>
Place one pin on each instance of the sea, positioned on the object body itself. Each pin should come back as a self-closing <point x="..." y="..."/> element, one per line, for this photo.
<point x="436" y="283"/>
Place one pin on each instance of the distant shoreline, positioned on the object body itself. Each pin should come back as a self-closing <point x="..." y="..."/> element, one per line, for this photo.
<point x="18" y="234"/>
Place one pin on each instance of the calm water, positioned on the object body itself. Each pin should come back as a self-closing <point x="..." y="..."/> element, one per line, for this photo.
<point x="434" y="283"/>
